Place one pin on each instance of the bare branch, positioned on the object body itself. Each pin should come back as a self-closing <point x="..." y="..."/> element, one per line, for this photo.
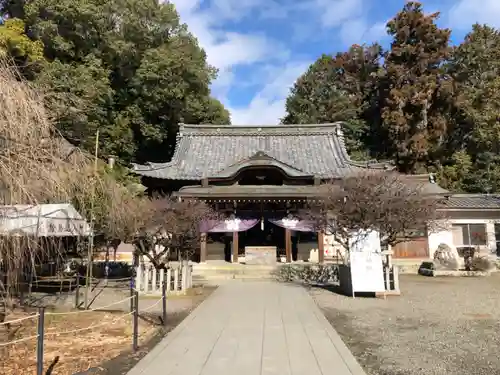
<point x="385" y="202"/>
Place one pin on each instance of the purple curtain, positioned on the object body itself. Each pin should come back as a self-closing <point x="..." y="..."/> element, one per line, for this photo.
<point x="223" y="226"/>
<point x="296" y="225"/>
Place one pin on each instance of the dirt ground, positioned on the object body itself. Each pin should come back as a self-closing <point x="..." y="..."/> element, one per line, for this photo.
<point x="106" y="346"/>
<point x="438" y="326"/>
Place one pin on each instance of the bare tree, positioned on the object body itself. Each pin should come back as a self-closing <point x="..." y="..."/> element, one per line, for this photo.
<point x="181" y="226"/>
<point x="159" y="226"/>
<point x="385" y="202"/>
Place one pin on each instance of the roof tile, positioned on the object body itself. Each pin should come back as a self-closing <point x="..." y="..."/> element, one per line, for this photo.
<point x="471" y="201"/>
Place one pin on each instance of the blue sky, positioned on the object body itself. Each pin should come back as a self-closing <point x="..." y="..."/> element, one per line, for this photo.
<point x="262" y="46"/>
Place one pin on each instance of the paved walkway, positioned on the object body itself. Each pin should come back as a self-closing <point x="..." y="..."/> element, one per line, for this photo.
<point x="252" y="328"/>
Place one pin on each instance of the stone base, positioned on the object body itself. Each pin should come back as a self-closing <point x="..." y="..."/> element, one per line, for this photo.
<point x="260" y="255"/>
<point x="388" y="293"/>
<point x="459" y="273"/>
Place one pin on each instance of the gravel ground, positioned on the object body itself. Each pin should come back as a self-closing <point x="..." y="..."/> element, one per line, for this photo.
<point x="438" y="326"/>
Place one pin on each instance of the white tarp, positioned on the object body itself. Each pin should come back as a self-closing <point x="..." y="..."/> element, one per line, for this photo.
<point x="44" y="220"/>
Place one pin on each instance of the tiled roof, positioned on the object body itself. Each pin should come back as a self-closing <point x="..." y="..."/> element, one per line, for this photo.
<point x="205" y="151"/>
<point x="421" y="181"/>
<point x="471" y="201"/>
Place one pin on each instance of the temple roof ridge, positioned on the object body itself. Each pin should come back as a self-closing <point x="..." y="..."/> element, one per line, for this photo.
<point x="252" y="130"/>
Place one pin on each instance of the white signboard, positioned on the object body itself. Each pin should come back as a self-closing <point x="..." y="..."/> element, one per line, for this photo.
<point x="367" y="273"/>
<point x="44" y="220"/>
<point x="365" y="241"/>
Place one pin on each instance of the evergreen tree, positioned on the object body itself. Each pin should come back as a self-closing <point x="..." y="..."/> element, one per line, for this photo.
<point x="337" y="88"/>
<point x="128" y="68"/>
<point x="415" y="88"/>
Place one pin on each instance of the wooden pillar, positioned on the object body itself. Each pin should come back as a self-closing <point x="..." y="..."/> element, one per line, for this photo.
<point x="321" y="247"/>
<point x="288" y="245"/>
<point x="235" y="247"/>
<point x="203" y="248"/>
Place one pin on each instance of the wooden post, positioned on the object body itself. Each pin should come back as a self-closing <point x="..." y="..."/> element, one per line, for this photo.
<point x="235" y="247"/>
<point x="162" y="277"/>
<point x="395" y="271"/>
<point x="176" y="280"/>
<point x="190" y="276"/>
<point x="138" y="277"/>
<point x="321" y="247"/>
<point x="288" y="245"/>
<point x="169" y="280"/>
<point x="153" y="281"/>
<point x="387" y="278"/>
<point x="146" y="279"/>
<point x="203" y="248"/>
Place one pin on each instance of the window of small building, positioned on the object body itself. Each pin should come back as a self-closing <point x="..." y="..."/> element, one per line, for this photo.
<point x="469" y="235"/>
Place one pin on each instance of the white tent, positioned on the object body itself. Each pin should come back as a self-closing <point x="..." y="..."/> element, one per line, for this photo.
<point x="43" y="220"/>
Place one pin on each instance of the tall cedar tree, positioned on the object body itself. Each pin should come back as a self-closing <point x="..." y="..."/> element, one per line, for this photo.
<point x="473" y="151"/>
<point x="415" y="88"/>
<point x="337" y="88"/>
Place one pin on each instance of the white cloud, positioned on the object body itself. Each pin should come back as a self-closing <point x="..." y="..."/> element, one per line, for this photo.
<point x="350" y="17"/>
<point x="358" y="31"/>
<point x="272" y="66"/>
<point x="467" y="12"/>
<point x="268" y="105"/>
<point x="234" y="9"/>
<point x="353" y="31"/>
<point x="227" y="50"/>
<point x="377" y="31"/>
<point x="336" y="12"/>
<point x="240" y="49"/>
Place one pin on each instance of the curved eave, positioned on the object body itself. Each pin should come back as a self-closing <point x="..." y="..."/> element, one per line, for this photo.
<point x="156" y="170"/>
<point x="248" y="191"/>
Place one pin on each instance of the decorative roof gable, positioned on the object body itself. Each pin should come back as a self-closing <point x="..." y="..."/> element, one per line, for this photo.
<point x="260" y="159"/>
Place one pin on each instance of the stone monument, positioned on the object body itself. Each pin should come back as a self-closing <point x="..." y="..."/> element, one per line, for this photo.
<point x="447" y="258"/>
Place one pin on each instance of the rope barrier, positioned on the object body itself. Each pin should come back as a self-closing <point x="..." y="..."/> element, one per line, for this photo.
<point x="89" y="327"/>
<point x="65" y="284"/>
<point x="90" y="310"/>
<point x="104" y="279"/>
<point x="20" y="319"/>
<point x="49" y="333"/>
<point x="3" y="344"/>
<point x="153" y="305"/>
<point x="92" y="326"/>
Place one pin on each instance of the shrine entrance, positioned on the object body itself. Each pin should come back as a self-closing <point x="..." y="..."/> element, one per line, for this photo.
<point x="234" y="237"/>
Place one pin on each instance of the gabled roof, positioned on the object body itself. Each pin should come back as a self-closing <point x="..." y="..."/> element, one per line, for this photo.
<point x="209" y="151"/>
<point x="471" y="202"/>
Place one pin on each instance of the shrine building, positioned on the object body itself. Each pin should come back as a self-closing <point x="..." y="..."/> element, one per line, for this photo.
<point x="260" y="176"/>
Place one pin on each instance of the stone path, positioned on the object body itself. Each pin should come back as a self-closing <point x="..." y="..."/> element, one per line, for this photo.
<point x="252" y="328"/>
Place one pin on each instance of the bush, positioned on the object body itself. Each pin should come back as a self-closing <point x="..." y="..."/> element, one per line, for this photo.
<point x="482" y="263"/>
<point x="309" y="273"/>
